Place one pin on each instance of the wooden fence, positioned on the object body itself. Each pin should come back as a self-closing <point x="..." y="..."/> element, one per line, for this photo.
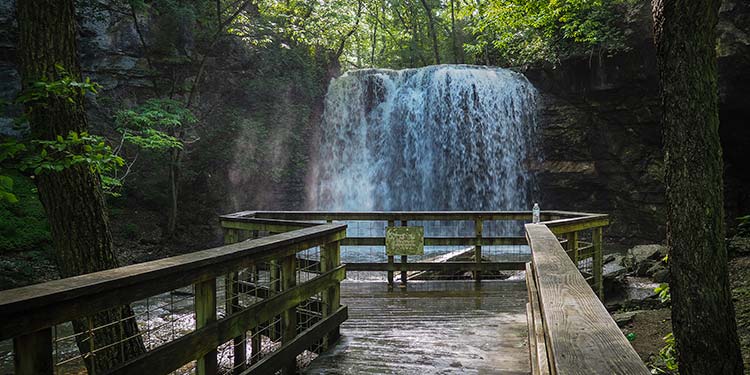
<point x="272" y="292"/>
<point x="31" y="315"/>
<point x="581" y="233"/>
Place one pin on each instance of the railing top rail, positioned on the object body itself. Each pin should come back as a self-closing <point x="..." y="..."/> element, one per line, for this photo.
<point x="576" y="223"/>
<point x="37" y="306"/>
<point x="402" y="215"/>
<point x="582" y="337"/>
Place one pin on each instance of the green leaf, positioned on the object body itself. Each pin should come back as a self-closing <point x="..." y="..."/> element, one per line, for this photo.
<point x="6" y="183"/>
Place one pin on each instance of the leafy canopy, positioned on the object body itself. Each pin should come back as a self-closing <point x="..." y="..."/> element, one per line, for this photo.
<point x="149" y="125"/>
<point x="527" y="31"/>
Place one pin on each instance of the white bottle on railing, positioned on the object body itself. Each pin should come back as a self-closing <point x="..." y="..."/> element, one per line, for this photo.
<point x="536" y="214"/>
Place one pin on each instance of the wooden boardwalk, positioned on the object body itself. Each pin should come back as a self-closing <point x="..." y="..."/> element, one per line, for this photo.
<point x="433" y="327"/>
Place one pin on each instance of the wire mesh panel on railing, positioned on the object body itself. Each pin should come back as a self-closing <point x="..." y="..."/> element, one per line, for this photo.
<point x="237" y="291"/>
<point x="445" y="241"/>
<point x="160" y="319"/>
<point x="364" y="254"/>
<point x="580" y="248"/>
<point x="309" y="313"/>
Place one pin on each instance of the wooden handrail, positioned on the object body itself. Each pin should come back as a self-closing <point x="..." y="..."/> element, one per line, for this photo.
<point x="292" y="216"/>
<point x="393" y="215"/>
<point x="27" y="309"/>
<point x="580" y="334"/>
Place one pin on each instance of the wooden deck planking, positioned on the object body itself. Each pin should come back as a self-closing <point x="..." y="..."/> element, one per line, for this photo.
<point x="435" y="327"/>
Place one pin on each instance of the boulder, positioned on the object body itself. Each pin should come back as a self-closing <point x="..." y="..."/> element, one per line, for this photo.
<point x="659" y="266"/>
<point x="636" y="294"/>
<point x="613" y="270"/>
<point x="643" y="252"/>
<point x="641" y="260"/>
<point x="624" y="318"/>
<point x="661" y="276"/>
<point x="613" y="258"/>
<point x="643" y="268"/>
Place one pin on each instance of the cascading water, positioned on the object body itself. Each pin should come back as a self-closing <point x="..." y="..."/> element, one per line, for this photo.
<point x="437" y="138"/>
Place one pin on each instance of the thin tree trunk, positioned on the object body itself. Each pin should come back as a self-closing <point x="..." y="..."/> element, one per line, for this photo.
<point x="433" y="33"/>
<point x="72" y="198"/>
<point x="374" y="37"/>
<point x="457" y="53"/>
<point x="174" y="175"/>
<point x="702" y="313"/>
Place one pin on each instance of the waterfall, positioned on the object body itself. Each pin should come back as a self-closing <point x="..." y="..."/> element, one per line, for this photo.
<point x="443" y="137"/>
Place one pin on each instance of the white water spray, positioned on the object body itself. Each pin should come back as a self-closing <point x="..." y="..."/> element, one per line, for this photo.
<point x="437" y="138"/>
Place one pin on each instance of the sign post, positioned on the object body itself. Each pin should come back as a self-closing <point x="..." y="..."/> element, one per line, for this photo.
<point x="404" y="241"/>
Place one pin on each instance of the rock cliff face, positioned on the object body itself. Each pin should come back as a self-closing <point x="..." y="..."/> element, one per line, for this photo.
<point x="601" y="133"/>
<point x="258" y="108"/>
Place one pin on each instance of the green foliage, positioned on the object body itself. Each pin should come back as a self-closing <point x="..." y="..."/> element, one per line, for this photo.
<point x="90" y="150"/>
<point x="528" y="31"/>
<point x="663" y="292"/>
<point x="8" y="151"/>
<point x="64" y="87"/>
<point x="397" y="33"/>
<point x="45" y="156"/>
<point x="668" y="357"/>
<point x="148" y="126"/>
<point x="319" y="24"/>
<point x="23" y="224"/>
<point x="667" y="354"/>
<point x="663" y="289"/>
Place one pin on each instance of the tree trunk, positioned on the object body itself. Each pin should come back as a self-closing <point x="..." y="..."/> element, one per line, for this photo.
<point x="374" y="38"/>
<point x="454" y="38"/>
<point x="702" y="312"/>
<point x="174" y="177"/>
<point x="72" y="198"/>
<point x="433" y="33"/>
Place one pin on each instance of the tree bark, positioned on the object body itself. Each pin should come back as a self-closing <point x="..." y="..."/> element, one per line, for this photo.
<point x="702" y="313"/>
<point x="72" y="198"/>
<point x="433" y="33"/>
<point x="457" y="56"/>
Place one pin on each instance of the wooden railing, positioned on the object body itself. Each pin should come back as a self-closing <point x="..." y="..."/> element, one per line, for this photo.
<point x="570" y="331"/>
<point x="255" y="291"/>
<point x="274" y="287"/>
<point x="475" y="221"/>
<point x="581" y="233"/>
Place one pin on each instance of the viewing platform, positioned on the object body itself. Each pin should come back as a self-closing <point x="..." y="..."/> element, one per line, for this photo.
<point x="315" y="292"/>
<point x="444" y="327"/>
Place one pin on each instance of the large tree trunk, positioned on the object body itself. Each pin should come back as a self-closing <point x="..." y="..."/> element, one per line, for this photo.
<point x="702" y="312"/>
<point x="72" y="198"/>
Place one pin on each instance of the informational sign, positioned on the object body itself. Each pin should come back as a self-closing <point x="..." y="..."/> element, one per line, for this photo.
<point x="404" y="240"/>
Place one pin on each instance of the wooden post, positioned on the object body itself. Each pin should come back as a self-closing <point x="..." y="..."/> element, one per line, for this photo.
<point x="331" y="296"/>
<point x="255" y="337"/>
<point x="205" y="313"/>
<point x="572" y="246"/>
<point x="596" y="240"/>
<point x="289" y="317"/>
<point x="32" y="353"/>
<point x="232" y="304"/>
<point x="404" y="275"/>
<point x="275" y="281"/>
<point x="391" y="223"/>
<point x="478" y="227"/>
